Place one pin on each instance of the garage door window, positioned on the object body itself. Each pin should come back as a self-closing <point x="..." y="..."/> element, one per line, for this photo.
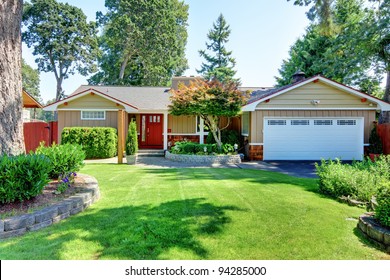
<point x="323" y="122"/>
<point x="300" y="122"/>
<point x="277" y="122"/>
<point x="346" y="122"/>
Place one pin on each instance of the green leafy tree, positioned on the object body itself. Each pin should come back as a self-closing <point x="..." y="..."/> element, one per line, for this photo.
<point x="210" y="100"/>
<point x="61" y="37"/>
<point x="341" y="56"/>
<point x="219" y="64"/>
<point x="143" y="42"/>
<point x="30" y="80"/>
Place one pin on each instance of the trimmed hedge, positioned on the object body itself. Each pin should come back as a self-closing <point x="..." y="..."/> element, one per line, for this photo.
<point x="23" y="177"/>
<point x="65" y="158"/>
<point x="97" y="142"/>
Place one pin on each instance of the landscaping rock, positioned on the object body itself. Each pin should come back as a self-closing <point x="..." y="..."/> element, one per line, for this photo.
<point x="18" y="222"/>
<point x="64" y="207"/>
<point x="12" y="233"/>
<point x="1" y="225"/>
<point x="61" y="217"/>
<point x="39" y="225"/>
<point x="76" y="210"/>
<point x="46" y="214"/>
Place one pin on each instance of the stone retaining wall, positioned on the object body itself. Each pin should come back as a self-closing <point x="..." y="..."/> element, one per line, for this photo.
<point x="373" y="230"/>
<point x="87" y="194"/>
<point x="208" y="159"/>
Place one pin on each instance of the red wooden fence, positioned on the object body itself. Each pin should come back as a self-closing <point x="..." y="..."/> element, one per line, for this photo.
<point x="37" y="132"/>
<point x="384" y="133"/>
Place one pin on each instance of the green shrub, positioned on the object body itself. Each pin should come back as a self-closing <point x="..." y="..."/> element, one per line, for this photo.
<point x="23" y="177"/>
<point x="191" y="148"/>
<point x="64" y="158"/>
<point x="382" y="211"/>
<point x="132" y="139"/>
<point x="359" y="180"/>
<point x="227" y="137"/>
<point x="97" y="142"/>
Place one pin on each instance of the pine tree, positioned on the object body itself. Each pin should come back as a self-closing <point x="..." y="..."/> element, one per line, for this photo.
<point x="219" y="65"/>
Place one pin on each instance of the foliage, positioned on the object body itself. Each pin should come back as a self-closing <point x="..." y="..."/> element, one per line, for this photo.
<point x="228" y="136"/>
<point x="219" y="65"/>
<point x="97" y="142"/>
<point x="61" y="37"/>
<point x="143" y="42"/>
<point x="23" y="177"/>
<point x="209" y="100"/>
<point x="30" y="80"/>
<point x="64" y="158"/>
<point x="65" y="181"/>
<point x="132" y="139"/>
<point x="375" y="141"/>
<point x="341" y="56"/>
<point x="382" y="211"/>
<point x="359" y="180"/>
<point x="191" y="148"/>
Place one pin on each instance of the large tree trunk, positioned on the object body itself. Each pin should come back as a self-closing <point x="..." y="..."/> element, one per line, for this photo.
<point x="11" y="104"/>
<point x="385" y="116"/>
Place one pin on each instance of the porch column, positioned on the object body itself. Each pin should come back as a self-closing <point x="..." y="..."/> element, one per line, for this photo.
<point x="121" y="135"/>
<point x="165" y="130"/>
<point x="201" y="132"/>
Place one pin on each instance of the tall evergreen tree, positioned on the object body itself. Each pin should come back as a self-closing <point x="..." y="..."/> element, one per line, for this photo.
<point x="219" y="64"/>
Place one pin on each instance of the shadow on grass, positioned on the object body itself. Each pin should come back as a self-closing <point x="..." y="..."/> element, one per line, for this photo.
<point x="137" y="232"/>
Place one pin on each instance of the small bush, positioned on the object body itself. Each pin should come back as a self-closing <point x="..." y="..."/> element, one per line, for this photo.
<point x="64" y="158"/>
<point x="132" y="139"/>
<point x="227" y="137"/>
<point x="382" y="211"/>
<point x="359" y="180"/>
<point x="97" y="142"/>
<point x="23" y="177"/>
<point x="191" y="148"/>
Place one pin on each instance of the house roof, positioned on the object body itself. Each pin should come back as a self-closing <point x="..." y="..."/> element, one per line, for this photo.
<point x="134" y="99"/>
<point x="29" y="101"/>
<point x="262" y="95"/>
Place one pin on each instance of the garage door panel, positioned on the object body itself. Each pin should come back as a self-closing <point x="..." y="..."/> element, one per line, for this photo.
<point x="313" y="138"/>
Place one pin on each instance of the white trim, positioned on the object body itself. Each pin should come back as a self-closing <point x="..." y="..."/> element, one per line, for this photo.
<point x="384" y="106"/>
<point x="256" y="144"/>
<point x="84" y="109"/>
<point x="319" y="109"/>
<point x="201" y="133"/>
<point x="165" y="130"/>
<point x="92" y="119"/>
<point x="245" y="134"/>
<point x="54" y="106"/>
<point x="184" y="134"/>
<point x="312" y="118"/>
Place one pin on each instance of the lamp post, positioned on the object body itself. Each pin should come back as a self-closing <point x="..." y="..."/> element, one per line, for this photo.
<point x="235" y="148"/>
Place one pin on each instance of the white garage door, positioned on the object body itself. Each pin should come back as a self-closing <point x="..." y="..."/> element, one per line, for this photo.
<point x="313" y="138"/>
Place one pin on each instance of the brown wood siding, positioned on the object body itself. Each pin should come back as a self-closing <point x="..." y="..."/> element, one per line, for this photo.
<point x="256" y="119"/>
<point x="73" y="119"/>
<point x="91" y="102"/>
<point x="182" y="124"/>
<point x="301" y="97"/>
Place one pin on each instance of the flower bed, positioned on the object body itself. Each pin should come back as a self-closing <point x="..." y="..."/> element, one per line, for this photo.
<point x="204" y="159"/>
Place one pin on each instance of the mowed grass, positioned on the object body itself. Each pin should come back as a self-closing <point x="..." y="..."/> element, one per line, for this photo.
<point x="200" y="213"/>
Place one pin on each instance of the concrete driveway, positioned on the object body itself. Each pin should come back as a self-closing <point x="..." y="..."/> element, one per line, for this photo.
<point x="304" y="169"/>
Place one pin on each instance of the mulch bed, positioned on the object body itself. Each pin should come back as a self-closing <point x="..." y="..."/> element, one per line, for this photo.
<point x="48" y="197"/>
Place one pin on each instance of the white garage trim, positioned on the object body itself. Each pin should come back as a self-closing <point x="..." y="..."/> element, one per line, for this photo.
<point x="313" y="138"/>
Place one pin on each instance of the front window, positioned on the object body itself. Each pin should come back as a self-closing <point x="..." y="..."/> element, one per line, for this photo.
<point x="245" y="123"/>
<point x="93" y="115"/>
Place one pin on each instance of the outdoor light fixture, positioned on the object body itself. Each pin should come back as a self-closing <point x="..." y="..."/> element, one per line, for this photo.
<point x="235" y="147"/>
<point x="205" y="149"/>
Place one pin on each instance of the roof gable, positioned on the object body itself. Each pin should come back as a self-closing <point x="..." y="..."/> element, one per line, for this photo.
<point x="261" y="97"/>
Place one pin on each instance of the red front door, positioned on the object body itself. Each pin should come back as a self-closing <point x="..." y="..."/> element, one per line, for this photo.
<point x="151" y="131"/>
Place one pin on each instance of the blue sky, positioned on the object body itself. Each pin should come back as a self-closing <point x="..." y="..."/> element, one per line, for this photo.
<point x="262" y="33"/>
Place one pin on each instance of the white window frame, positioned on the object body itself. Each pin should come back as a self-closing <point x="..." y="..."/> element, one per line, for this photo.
<point x="245" y="123"/>
<point x="92" y="118"/>
<point x="200" y="124"/>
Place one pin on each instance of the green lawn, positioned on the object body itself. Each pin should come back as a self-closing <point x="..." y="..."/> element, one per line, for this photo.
<point x="200" y="214"/>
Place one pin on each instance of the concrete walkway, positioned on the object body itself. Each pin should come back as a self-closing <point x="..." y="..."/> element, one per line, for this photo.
<point x="303" y="169"/>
